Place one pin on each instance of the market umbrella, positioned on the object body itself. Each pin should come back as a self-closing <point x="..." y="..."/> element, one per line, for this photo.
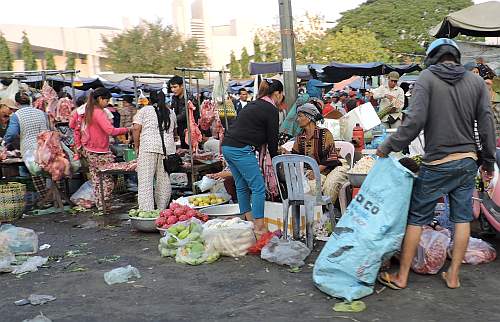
<point x="481" y="20"/>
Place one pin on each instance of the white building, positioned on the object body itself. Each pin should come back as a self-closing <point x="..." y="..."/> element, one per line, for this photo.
<point x="84" y="43"/>
<point x="216" y="41"/>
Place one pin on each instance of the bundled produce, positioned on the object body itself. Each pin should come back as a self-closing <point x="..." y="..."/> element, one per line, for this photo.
<point x="63" y="109"/>
<point x="196" y="136"/>
<point x="144" y="214"/>
<point x="478" y="252"/>
<point x="195" y="253"/>
<point x="231" y="237"/>
<point x="363" y="166"/>
<point x="50" y="155"/>
<point x="431" y="251"/>
<point x="180" y="234"/>
<point x="177" y="213"/>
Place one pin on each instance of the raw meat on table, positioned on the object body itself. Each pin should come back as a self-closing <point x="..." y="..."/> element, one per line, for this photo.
<point x="196" y="136"/>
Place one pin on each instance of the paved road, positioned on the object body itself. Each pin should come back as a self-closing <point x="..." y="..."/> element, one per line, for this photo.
<point x="246" y="289"/>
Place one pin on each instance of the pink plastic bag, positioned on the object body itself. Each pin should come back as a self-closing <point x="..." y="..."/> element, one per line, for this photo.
<point x="478" y="252"/>
<point x="431" y="252"/>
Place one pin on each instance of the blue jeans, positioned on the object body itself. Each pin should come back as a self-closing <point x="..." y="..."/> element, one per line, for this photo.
<point x="454" y="178"/>
<point x="248" y="179"/>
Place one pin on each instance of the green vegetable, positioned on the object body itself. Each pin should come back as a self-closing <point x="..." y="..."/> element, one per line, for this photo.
<point x="183" y="234"/>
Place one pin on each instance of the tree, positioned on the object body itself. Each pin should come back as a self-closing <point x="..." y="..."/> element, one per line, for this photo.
<point x="234" y="66"/>
<point x="70" y="61"/>
<point x="152" y="48"/>
<point x="5" y="55"/>
<point x="401" y="28"/>
<point x="27" y="53"/>
<point x="351" y="46"/>
<point x="257" y="50"/>
<point x="244" y="63"/>
<point x="49" y="60"/>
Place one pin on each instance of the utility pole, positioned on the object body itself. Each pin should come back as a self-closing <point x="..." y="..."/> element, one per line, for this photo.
<point x="288" y="51"/>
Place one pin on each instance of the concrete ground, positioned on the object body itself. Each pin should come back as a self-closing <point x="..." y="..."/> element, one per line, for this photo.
<point x="244" y="289"/>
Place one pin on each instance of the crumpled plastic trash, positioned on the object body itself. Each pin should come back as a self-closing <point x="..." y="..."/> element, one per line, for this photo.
<point x="39" y="318"/>
<point x="36" y="299"/>
<point x="19" y="240"/>
<point x="6" y="258"/>
<point x="285" y="252"/>
<point x="31" y="265"/>
<point x="121" y="275"/>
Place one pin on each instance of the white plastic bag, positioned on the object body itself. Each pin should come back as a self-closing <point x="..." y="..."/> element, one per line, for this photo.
<point x="121" y="275"/>
<point x="84" y="196"/>
<point x="29" y="160"/>
<point x="19" y="240"/>
<point x="230" y="237"/>
<point x="285" y="252"/>
<point x="206" y="184"/>
<point x="31" y="265"/>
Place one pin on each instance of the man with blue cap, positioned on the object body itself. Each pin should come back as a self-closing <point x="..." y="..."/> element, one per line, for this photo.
<point x="447" y="101"/>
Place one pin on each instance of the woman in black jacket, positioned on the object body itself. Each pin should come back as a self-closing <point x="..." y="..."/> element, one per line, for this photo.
<point x="256" y="125"/>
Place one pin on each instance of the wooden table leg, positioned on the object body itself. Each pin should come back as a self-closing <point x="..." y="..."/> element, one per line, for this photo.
<point x="101" y="185"/>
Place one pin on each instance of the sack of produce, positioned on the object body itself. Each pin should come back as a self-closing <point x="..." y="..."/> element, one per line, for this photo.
<point x="371" y="229"/>
<point x="196" y="253"/>
<point x="18" y="240"/>
<point x="179" y="235"/>
<point x="230" y="237"/>
<point x="431" y="251"/>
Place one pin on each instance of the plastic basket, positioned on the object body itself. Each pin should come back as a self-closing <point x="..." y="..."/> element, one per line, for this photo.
<point x="12" y="201"/>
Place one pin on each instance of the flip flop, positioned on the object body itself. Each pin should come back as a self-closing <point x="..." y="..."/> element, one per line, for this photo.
<point x="444" y="276"/>
<point x="385" y="279"/>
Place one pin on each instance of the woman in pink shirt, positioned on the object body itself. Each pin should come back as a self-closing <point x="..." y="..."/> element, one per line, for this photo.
<point x="96" y="128"/>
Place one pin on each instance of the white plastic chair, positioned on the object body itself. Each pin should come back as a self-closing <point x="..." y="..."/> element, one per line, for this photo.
<point x="346" y="148"/>
<point x="293" y="168"/>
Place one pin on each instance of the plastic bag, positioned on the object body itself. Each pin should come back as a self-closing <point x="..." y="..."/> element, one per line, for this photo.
<point x="179" y="235"/>
<point x="121" y="275"/>
<point x="431" y="251"/>
<point x="372" y="228"/>
<point x="39" y="318"/>
<point x="206" y="184"/>
<point x="285" y="252"/>
<point x="6" y="258"/>
<point x="84" y="196"/>
<point x="19" y="240"/>
<point x="179" y="179"/>
<point x="31" y="265"/>
<point x="263" y="241"/>
<point x="478" y="252"/>
<point x="195" y="253"/>
<point x="323" y="227"/>
<point x="30" y="162"/>
<point x="231" y="237"/>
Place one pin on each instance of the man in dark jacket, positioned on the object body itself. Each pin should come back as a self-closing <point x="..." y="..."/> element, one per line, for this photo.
<point x="447" y="102"/>
<point x="179" y="107"/>
<point x="242" y="101"/>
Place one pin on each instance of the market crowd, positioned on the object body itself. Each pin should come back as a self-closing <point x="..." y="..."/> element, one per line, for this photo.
<point x="453" y="107"/>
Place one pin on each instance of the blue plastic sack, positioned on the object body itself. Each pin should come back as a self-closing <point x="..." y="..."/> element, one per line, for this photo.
<point x="371" y="230"/>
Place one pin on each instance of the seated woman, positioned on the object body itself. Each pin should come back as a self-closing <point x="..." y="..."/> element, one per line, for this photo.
<point x="318" y="143"/>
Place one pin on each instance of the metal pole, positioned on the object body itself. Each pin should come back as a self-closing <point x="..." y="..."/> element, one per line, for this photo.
<point x="73" y="89"/>
<point x="288" y="51"/>
<point x="198" y="92"/>
<point x="188" y="129"/>
<point x="135" y="93"/>
<point x="221" y="76"/>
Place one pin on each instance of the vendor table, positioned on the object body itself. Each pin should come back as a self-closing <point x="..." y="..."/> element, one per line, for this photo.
<point x="53" y="193"/>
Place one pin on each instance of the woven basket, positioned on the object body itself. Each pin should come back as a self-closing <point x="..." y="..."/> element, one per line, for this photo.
<point x="12" y="201"/>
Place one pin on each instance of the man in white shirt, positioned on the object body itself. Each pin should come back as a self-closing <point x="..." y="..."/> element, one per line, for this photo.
<point x="242" y="100"/>
<point x="392" y="100"/>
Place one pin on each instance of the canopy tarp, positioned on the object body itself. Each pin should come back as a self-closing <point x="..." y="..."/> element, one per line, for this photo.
<point x="481" y="20"/>
<point x="58" y="82"/>
<point x="336" y="72"/>
<point x="265" y="68"/>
